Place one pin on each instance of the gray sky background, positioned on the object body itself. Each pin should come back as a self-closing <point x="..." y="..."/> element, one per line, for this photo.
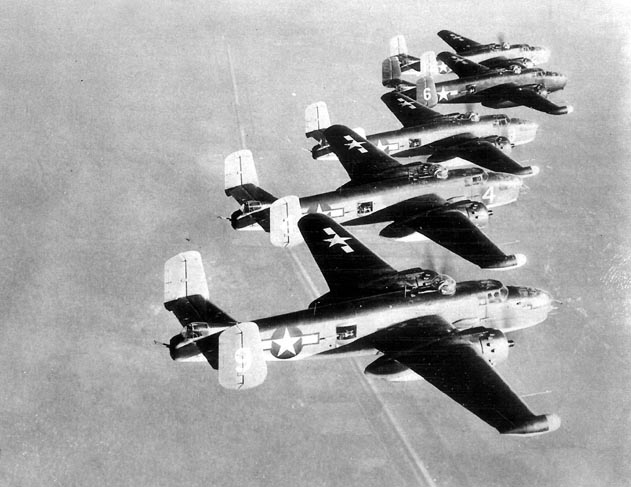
<point x="116" y="119"/>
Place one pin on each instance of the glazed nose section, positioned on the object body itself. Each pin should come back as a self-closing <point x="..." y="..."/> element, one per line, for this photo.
<point x="525" y="130"/>
<point x="561" y="81"/>
<point x="542" y="300"/>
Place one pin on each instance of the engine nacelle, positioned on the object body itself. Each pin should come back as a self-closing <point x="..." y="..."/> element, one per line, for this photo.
<point x="391" y="370"/>
<point x="492" y="345"/>
<point x="475" y="211"/>
<point x="503" y="144"/>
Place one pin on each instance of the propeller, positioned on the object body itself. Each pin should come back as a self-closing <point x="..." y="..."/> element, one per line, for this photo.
<point x="156" y="342"/>
<point x="501" y="38"/>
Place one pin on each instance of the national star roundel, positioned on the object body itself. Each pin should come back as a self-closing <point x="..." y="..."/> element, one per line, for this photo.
<point x="286" y="342"/>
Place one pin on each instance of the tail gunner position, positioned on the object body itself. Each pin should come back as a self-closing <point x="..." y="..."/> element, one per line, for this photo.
<point x="420" y="324"/>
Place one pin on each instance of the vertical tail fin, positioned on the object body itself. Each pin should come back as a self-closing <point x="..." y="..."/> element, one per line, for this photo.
<point x="426" y="91"/>
<point x="284" y="215"/>
<point x="240" y="170"/>
<point x="391" y="72"/>
<point x="186" y="291"/>
<point x="429" y="65"/>
<point x="241" y="182"/>
<point x="398" y="46"/>
<point x="316" y="120"/>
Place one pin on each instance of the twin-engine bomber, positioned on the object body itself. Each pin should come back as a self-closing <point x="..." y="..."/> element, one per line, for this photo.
<point x="493" y="55"/>
<point x="422" y="324"/>
<point x="483" y="140"/>
<point x="419" y="199"/>
<point x="495" y="87"/>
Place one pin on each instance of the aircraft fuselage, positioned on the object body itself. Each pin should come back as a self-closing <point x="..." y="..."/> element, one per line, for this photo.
<point x="367" y="203"/>
<point x="471" y="89"/>
<point x="337" y="329"/>
<point x="414" y="141"/>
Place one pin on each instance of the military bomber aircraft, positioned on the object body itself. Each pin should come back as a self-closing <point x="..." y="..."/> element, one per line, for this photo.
<point x="492" y="87"/>
<point x="483" y="140"/>
<point x="493" y="55"/>
<point x="422" y="324"/>
<point x="419" y="199"/>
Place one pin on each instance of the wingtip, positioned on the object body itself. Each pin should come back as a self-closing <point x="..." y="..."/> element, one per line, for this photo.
<point x="535" y="170"/>
<point x="509" y="263"/>
<point x="520" y="260"/>
<point x="554" y="422"/>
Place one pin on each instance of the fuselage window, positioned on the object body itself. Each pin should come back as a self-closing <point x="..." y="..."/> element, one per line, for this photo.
<point x="364" y="208"/>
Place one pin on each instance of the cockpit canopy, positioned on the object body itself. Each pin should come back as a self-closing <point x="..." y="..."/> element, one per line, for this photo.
<point x="501" y="119"/>
<point x="472" y="116"/>
<point x="424" y="280"/>
<point x="492" y="291"/>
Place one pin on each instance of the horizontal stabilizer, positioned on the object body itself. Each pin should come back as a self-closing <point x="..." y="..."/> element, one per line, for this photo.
<point x="316" y="120"/>
<point x="398" y="46"/>
<point x="284" y="215"/>
<point x="239" y="169"/>
<point x="241" y="360"/>
<point x="184" y="276"/>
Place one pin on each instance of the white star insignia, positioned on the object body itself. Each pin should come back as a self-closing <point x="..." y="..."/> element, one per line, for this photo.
<point x="354" y="144"/>
<point x="382" y="147"/>
<point x="443" y="94"/>
<point x="337" y="240"/>
<point x="286" y="344"/>
<point x="405" y="103"/>
<point x="442" y="67"/>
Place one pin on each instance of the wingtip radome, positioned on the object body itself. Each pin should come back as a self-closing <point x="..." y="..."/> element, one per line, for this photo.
<point x="520" y="260"/>
<point x="570" y="109"/>
<point x="535" y="170"/>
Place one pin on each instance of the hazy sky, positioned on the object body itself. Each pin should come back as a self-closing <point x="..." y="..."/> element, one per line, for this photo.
<point x="116" y="119"/>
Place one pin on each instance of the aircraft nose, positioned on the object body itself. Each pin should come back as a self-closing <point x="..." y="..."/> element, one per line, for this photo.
<point x="542" y="300"/>
<point x="562" y="81"/>
<point x="525" y="132"/>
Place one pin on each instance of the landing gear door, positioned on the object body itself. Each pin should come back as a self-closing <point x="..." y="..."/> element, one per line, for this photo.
<point x="284" y="215"/>
<point x="241" y="361"/>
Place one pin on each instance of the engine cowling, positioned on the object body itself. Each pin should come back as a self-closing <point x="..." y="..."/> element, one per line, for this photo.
<point x="475" y="211"/>
<point x="503" y="144"/>
<point x="491" y="344"/>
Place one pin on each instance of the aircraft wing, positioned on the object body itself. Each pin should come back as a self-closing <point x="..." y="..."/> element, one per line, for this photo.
<point x="463" y="67"/>
<point x="346" y="264"/>
<point x="362" y="160"/>
<point x="457" y="42"/>
<point x="478" y="151"/>
<point x="527" y="96"/>
<point x="449" y="227"/>
<point x="409" y="112"/>
<point x="452" y="362"/>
